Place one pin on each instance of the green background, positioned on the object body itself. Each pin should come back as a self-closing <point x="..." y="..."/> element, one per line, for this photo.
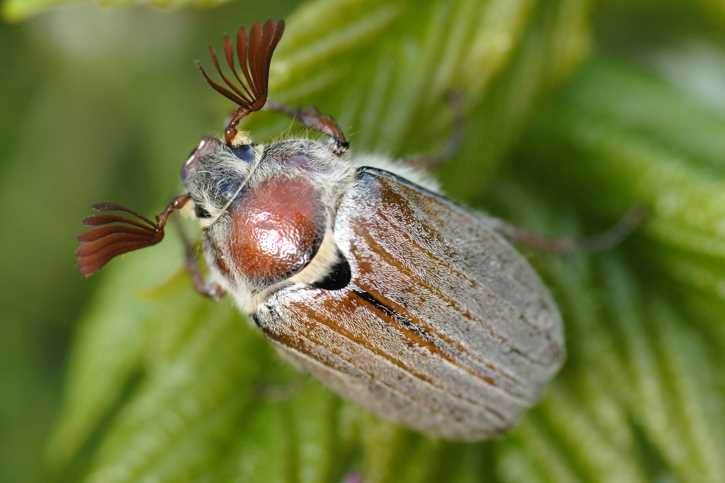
<point x="575" y="111"/>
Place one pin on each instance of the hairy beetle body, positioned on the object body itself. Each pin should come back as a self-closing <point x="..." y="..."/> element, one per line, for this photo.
<point x="438" y="322"/>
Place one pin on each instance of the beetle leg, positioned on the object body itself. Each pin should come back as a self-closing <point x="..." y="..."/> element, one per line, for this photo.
<point x="600" y="242"/>
<point x="454" y="99"/>
<point x="313" y="119"/>
<point x="353" y="477"/>
<point x="279" y="392"/>
<point x="213" y="291"/>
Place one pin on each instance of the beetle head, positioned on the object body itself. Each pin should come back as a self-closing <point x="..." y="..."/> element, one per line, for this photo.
<point x="214" y="173"/>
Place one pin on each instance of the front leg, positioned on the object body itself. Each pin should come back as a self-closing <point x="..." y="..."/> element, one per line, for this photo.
<point x="212" y="290"/>
<point x="313" y="119"/>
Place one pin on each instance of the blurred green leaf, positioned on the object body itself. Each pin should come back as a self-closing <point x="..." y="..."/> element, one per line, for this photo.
<point x="110" y="347"/>
<point x="164" y="386"/>
<point x="16" y="10"/>
<point x="635" y="139"/>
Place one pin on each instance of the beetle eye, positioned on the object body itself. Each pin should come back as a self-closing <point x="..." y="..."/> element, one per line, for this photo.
<point x="200" y="212"/>
<point x="228" y="188"/>
<point x="245" y="152"/>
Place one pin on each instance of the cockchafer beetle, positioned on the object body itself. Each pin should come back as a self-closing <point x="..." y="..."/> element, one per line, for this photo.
<point x="357" y="268"/>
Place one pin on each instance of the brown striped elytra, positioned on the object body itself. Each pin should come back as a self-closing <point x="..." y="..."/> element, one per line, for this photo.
<point x="357" y="268"/>
<point x="443" y="326"/>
